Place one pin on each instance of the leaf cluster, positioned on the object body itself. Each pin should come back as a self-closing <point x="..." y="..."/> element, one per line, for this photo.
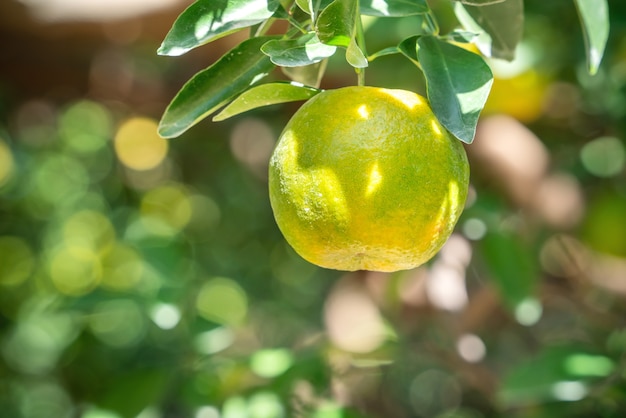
<point x="458" y="79"/>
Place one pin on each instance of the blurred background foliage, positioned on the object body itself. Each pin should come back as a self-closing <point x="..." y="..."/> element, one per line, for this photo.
<point x="146" y="278"/>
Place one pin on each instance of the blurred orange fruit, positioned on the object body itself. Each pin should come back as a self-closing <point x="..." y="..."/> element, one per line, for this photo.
<point x="521" y="96"/>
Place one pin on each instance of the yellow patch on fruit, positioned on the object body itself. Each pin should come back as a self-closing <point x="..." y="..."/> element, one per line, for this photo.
<point x="365" y="178"/>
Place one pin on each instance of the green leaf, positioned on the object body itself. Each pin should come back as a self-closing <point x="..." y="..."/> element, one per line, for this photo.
<point x="393" y="8"/>
<point x="594" y="18"/>
<point x="547" y="376"/>
<point x="309" y="75"/>
<point x="480" y="2"/>
<point x="392" y="50"/>
<point x="408" y="47"/>
<point x="500" y="26"/>
<point x="298" y="52"/>
<point x="207" y="20"/>
<point x="317" y="6"/>
<point x="355" y="56"/>
<point x="511" y="265"/>
<point x="211" y="88"/>
<point x="336" y="24"/>
<point x="461" y="36"/>
<point x="265" y="95"/>
<point x="147" y="387"/>
<point x="304" y="5"/>
<point x="458" y="84"/>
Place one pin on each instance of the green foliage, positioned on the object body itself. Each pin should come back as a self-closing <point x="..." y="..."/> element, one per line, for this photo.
<point x="210" y="89"/>
<point x="594" y="17"/>
<point x="147" y="279"/>
<point x="499" y="26"/>
<point x="265" y="95"/>
<point x="458" y="83"/>
<point x="450" y="73"/>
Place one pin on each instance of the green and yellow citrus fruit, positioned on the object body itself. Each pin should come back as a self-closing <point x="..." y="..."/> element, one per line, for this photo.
<point x="365" y="178"/>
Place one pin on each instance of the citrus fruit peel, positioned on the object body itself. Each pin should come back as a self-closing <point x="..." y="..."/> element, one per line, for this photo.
<point x="366" y="178"/>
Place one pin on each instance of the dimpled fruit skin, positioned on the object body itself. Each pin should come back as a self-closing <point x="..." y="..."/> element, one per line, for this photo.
<point x="365" y="178"/>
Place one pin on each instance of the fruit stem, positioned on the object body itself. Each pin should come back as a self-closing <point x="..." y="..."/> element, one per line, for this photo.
<point x="360" y="74"/>
<point x="360" y="41"/>
<point x="264" y="27"/>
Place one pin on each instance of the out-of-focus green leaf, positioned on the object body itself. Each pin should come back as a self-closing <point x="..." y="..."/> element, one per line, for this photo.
<point x="461" y="36"/>
<point x="206" y="20"/>
<point x="480" y="2"/>
<point x="309" y="75"/>
<point x="512" y="267"/>
<point x="298" y="52"/>
<point x="562" y="373"/>
<point x="500" y="26"/>
<point x="594" y="18"/>
<point x="393" y="8"/>
<point x="304" y="5"/>
<point x="458" y="83"/>
<point x="146" y="388"/>
<point x="211" y="88"/>
<point x="265" y="95"/>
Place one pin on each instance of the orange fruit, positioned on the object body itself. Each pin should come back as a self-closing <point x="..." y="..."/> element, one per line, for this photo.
<point x="365" y="178"/>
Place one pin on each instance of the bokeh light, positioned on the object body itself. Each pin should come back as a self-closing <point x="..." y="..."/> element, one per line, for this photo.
<point x="165" y="315"/>
<point x="74" y="271"/>
<point x="59" y="181"/>
<point x="528" y="312"/>
<point x="122" y="268"/>
<point x="223" y="301"/>
<point x="7" y="164"/>
<point x="85" y="126"/>
<point x="471" y="348"/>
<point x="89" y="229"/>
<point x="265" y="405"/>
<point x="271" y="362"/>
<point x="604" y="157"/>
<point x="251" y="142"/>
<point x="433" y="392"/>
<point x="138" y="145"/>
<point x="36" y="344"/>
<point x="207" y="412"/>
<point x="17" y="260"/>
<point x="36" y="123"/>
<point x="352" y="319"/>
<point x="45" y="399"/>
<point x="214" y="341"/>
<point x="167" y="209"/>
<point x="118" y="322"/>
